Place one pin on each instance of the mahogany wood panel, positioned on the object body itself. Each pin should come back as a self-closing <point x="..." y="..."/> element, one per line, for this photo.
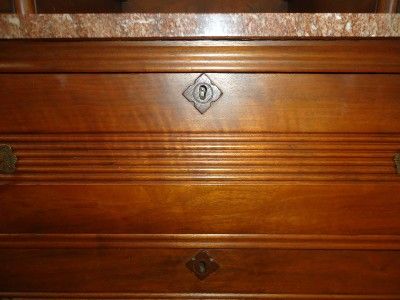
<point x="288" y="180"/>
<point x="333" y="209"/>
<point x="201" y="56"/>
<point x="154" y="103"/>
<point x="204" y="6"/>
<point x="164" y="271"/>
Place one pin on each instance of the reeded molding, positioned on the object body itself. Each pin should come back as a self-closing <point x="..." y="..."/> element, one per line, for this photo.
<point x="204" y="157"/>
<point x="372" y="56"/>
<point x="201" y="241"/>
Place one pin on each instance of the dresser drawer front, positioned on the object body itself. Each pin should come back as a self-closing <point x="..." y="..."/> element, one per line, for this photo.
<point x="327" y="209"/>
<point x="154" y="103"/>
<point x="164" y="271"/>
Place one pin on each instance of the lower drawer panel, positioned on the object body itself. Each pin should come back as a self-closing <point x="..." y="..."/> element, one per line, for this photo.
<point x="164" y="271"/>
<point x="332" y="209"/>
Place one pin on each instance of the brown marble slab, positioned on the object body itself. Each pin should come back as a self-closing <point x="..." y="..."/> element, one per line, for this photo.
<point x="197" y="26"/>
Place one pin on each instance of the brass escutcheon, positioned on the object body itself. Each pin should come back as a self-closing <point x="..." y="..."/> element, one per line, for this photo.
<point x="397" y="162"/>
<point x="7" y="160"/>
<point x="202" y="265"/>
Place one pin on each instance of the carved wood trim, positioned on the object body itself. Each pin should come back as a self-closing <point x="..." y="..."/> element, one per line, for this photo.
<point x="201" y="241"/>
<point x="378" y="56"/>
<point x="203" y="157"/>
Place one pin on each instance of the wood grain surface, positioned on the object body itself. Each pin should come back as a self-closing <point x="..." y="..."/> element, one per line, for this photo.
<point x="164" y="271"/>
<point x="300" y="103"/>
<point x="351" y="56"/>
<point x="330" y="209"/>
<point x="288" y="181"/>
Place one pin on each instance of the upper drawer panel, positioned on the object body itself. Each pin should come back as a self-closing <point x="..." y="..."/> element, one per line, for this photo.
<point x="154" y="103"/>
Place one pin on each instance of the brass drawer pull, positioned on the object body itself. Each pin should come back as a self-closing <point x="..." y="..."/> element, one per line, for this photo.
<point x="397" y="162"/>
<point x="7" y="160"/>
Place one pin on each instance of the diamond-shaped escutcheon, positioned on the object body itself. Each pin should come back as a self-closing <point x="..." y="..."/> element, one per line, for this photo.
<point x="202" y="93"/>
<point x="202" y="265"/>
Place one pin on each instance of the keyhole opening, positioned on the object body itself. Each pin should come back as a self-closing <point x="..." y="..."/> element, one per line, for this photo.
<point x="203" y="92"/>
<point x="201" y="267"/>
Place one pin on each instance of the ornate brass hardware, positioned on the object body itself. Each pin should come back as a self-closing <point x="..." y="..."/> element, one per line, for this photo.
<point x="202" y="265"/>
<point x="7" y="160"/>
<point x="202" y="93"/>
<point x="397" y="162"/>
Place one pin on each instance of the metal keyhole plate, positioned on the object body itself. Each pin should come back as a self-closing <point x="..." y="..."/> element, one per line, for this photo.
<point x="202" y="93"/>
<point x="202" y="265"/>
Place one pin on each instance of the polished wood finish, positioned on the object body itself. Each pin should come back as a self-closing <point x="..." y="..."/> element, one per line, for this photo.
<point x="313" y="208"/>
<point x="387" y="6"/>
<point x="282" y="103"/>
<point x="241" y="271"/>
<point x="188" y="56"/>
<point x="201" y="241"/>
<point x="203" y="157"/>
<point x="25" y="6"/>
<point x="288" y="181"/>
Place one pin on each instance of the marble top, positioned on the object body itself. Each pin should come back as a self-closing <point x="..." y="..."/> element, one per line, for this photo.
<point x="199" y="26"/>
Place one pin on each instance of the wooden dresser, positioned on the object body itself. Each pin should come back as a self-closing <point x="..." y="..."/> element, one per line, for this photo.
<point x="200" y="156"/>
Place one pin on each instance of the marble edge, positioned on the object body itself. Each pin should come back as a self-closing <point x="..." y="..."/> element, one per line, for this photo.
<point x="164" y="26"/>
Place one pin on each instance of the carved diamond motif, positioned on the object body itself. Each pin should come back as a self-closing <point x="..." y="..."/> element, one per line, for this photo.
<point x="202" y="265"/>
<point x="202" y="93"/>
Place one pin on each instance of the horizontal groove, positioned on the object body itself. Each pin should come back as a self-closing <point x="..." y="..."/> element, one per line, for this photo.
<point x="201" y="153"/>
<point x="211" y="241"/>
<point x="122" y="177"/>
<point x="205" y="137"/>
<point x="207" y="169"/>
<point x="154" y="296"/>
<point x="195" y="146"/>
<point x="109" y="157"/>
<point x="227" y="161"/>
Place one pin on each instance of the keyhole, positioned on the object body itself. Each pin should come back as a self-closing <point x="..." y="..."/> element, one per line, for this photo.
<point x="201" y="267"/>
<point x="203" y="92"/>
